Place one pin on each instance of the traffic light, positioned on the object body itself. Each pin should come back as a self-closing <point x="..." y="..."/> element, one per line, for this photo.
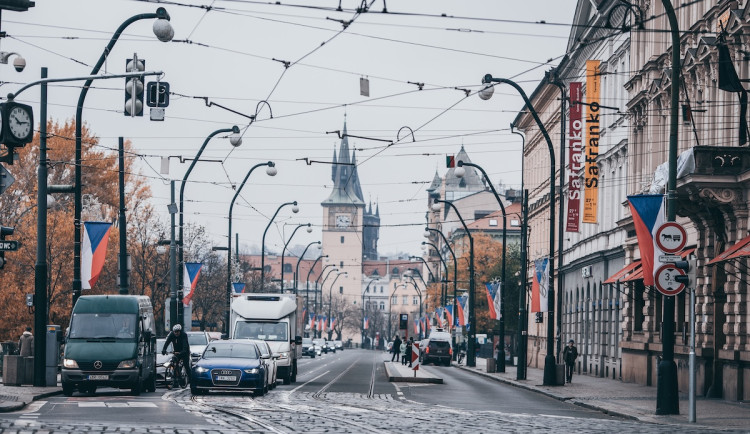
<point x="539" y="318"/>
<point x="157" y="94"/>
<point x="4" y="231"/>
<point x="689" y="267"/>
<point x="403" y="321"/>
<point x="134" y="87"/>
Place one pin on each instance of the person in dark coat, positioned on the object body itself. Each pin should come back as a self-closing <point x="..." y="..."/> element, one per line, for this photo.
<point x="396" y="348"/>
<point x="570" y="354"/>
<point x="409" y="350"/>
<point x="26" y="343"/>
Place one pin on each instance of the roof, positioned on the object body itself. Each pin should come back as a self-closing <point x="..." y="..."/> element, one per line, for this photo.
<point x="494" y="221"/>
<point x="470" y="182"/>
<point x="739" y="249"/>
<point x="346" y="187"/>
<point x="264" y="306"/>
<point x="385" y="267"/>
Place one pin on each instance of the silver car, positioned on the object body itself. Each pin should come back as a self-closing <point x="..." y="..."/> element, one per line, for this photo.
<point x="198" y="342"/>
<point x="266" y="354"/>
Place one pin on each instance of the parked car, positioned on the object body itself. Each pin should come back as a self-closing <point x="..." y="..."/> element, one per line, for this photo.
<point x="266" y="353"/>
<point x="230" y="365"/>
<point x="338" y="345"/>
<point x="437" y="348"/>
<point x="322" y="346"/>
<point x="161" y="360"/>
<point x="198" y="342"/>
<point x="308" y="348"/>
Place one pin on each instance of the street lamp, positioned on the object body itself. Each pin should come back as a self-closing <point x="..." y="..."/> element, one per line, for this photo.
<point x="307" y="287"/>
<point x="235" y="130"/>
<point x="460" y="172"/>
<point x="445" y="267"/>
<point x="295" y="209"/>
<point x="296" y="272"/>
<point x="432" y="276"/>
<point x="471" y="357"/>
<point x="416" y="287"/>
<point x="164" y="33"/>
<point x="549" y="359"/>
<point x="319" y="304"/>
<point x="283" y="251"/>
<point x="270" y="171"/>
<point x="523" y="321"/>
<point x="330" y="299"/>
<point x="367" y="289"/>
<point x="427" y="231"/>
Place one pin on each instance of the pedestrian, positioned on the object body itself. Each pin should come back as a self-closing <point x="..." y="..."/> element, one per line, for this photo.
<point x="570" y="354"/>
<point x="396" y="348"/>
<point x="409" y="350"/>
<point x="26" y="343"/>
<point x="402" y="348"/>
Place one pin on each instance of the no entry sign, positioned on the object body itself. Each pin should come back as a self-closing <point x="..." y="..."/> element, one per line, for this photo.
<point x="671" y="237"/>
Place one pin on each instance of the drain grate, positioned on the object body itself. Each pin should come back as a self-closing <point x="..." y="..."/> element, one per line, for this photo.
<point x="8" y="398"/>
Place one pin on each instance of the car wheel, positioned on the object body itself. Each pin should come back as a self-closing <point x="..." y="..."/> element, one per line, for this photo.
<point x="294" y="371"/>
<point x="67" y="389"/>
<point x="151" y="383"/>
<point x="288" y="376"/>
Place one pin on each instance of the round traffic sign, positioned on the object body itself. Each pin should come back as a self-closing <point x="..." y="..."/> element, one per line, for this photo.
<point x="671" y="237"/>
<point x="665" y="280"/>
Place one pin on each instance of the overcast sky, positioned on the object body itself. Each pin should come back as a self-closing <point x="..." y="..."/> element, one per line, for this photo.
<point x="226" y="54"/>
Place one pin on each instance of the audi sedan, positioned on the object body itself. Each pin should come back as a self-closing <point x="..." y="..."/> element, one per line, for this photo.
<point x="234" y="365"/>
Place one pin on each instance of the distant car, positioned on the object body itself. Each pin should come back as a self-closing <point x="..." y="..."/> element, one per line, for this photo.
<point x="266" y="353"/>
<point x="308" y="348"/>
<point x="198" y="342"/>
<point x="161" y="360"/>
<point x="338" y="345"/>
<point x="321" y="343"/>
<point x="437" y="348"/>
<point x="230" y="365"/>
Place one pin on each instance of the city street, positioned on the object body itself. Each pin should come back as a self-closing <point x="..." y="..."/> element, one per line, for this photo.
<point x="342" y="392"/>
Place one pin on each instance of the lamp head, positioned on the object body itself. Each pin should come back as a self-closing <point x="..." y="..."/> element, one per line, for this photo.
<point x="295" y="208"/>
<point x="459" y="171"/>
<point x="271" y="169"/>
<point x="235" y="139"/>
<point x="426" y="233"/>
<point x="424" y="246"/>
<point x="487" y="90"/>
<point x="436" y="206"/>
<point x="309" y="228"/>
<point x="161" y="249"/>
<point x="162" y="27"/>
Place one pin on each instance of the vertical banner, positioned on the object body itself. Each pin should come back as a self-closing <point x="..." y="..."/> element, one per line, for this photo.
<point x="190" y="279"/>
<point x="366" y="323"/>
<point x="591" y="172"/>
<point x="238" y="287"/>
<point x="539" y="284"/>
<point x="575" y="157"/>
<point x="648" y="214"/>
<point x="449" y="315"/>
<point x="93" y="252"/>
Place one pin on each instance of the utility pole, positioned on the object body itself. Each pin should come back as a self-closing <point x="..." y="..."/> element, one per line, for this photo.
<point x="122" y="221"/>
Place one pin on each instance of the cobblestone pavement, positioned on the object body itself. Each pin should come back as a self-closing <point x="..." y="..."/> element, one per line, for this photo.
<point x="290" y="411"/>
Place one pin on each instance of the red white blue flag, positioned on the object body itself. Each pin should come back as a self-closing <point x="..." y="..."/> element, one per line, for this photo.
<point x="462" y="314"/>
<point x="366" y="323"/>
<point x="539" y="285"/>
<point x="449" y="314"/>
<point x="417" y="324"/>
<point x="648" y="214"/>
<point x="439" y="317"/>
<point x="190" y="280"/>
<point x="493" y="299"/>
<point x="238" y="287"/>
<point x="322" y="323"/>
<point x="312" y="321"/>
<point x="333" y="322"/>
<point x="93" y="252"/>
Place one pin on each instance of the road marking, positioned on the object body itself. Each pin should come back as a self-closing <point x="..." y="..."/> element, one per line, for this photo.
<point x="308" y="382"/>
<point x="130" y="404"/>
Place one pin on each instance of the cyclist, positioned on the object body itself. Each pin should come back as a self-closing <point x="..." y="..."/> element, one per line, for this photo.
<point x="180" y="344"/>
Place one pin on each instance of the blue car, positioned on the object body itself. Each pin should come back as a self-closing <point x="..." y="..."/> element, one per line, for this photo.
<point x="234" y="365"/>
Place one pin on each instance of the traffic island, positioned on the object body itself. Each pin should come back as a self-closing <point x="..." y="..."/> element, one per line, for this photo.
<point x="398" y="373"/>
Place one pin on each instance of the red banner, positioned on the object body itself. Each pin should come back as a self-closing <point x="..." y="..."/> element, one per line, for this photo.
<point x="575" y="157"/>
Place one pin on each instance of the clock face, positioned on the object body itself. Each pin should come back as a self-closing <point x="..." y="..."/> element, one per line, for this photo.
<point x="19" y="123"/>
<point x="343" y="221"/>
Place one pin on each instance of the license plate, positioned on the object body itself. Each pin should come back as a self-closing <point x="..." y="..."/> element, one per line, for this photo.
<point x="98" y="377"/>
<point x="226" y="378"/>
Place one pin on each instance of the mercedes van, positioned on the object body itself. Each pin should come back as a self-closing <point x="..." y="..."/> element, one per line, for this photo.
<point x="110" y="343"/>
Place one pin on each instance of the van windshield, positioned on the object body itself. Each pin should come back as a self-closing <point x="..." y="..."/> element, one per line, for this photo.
<point x="267" y="331"/>
<point x="102" y="325"/>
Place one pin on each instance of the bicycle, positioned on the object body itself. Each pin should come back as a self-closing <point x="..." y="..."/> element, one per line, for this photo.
<point x="461" y="355"/>
<point x="176" y="372"/>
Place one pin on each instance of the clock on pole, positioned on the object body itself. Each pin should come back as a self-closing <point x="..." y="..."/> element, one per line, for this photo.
<point x="17" y="124"/>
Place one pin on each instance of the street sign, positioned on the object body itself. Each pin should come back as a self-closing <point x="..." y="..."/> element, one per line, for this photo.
<point x="415" y="357"/>
<point x="6" y="179"/>
<point x="671" y="237"/>
<point x="665" y="280"/>
<point x="9" y="245"/>
<point x="669" y="259"/>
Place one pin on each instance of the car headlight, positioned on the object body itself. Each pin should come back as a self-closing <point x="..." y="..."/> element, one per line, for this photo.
<point x="200" y="369"/>
<point x="284" y="355"/>
<point x="70" y="363"/>
<point x="127" y="364"/>
<point x="252" y="371"/>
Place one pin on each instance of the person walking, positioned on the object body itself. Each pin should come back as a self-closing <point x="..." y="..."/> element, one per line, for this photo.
<point x="402" y="348"/>
<point x="570" y="354"/>
<point x="396" y="348"/>
<point x="26" y="343"/>
<point x="409" y="349"/>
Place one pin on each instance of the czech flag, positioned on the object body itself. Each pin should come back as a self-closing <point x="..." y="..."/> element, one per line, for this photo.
<point x="648" y="214"/>
<point x="493" y="299"/>
<point x="449" y="315"/>
<point x="238" y="287"/>
<point x="322" y="323"/>
<point x="333" y="322"/>
<point x="312" y="321"/>
<point x="190" y="280"/>
<point x="366" y="323"/>
<point x="417" y="324"/>
<point x="439" y="317"/>
<point x="539" y="284"/>
<point x="461" y="314"/>
<point x="93" y="252"/>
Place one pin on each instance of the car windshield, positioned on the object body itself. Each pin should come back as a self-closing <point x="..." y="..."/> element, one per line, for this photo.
<point x="102" y="325"/>
<point x="265" y="331"/>
<point x="232" y="351"/>
<point x="319" y="342"/>
<point x="197" y="339"/>
<point x="306" y="341"/>
<point x="263" y="347"/>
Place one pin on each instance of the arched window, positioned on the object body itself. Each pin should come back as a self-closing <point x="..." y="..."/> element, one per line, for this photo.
<point x="395" y="271"/>
<point x="287" y="268"/>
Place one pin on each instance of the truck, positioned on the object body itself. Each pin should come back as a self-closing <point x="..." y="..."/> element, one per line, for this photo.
<point x="274" y="318"/>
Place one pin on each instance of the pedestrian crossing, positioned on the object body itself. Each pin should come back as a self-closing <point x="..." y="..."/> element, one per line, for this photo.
<point x="127" y="404"/>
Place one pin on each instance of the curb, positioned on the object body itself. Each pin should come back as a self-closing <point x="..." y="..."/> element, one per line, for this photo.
<point x="9" y="406"/>
<point x="400" y="379"/>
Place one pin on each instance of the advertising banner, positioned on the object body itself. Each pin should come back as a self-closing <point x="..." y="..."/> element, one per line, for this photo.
<point x="591" y="172"/>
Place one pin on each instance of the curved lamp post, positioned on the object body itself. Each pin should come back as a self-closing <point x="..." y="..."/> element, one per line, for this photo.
<point x="432" y="276"/>
<point x="460" y="172"/>
<point x="296" y="270"/>
<point x="283" y="251"/>
<point x="270" y="171"/>
<point x="307" y="287"/>
<point x="445" y="267"/>
<point x="549" y="359"/>
<point x="471" y="357"/>
<point x="295" y="209"/>
<point x="164" y="32"/>
<point x="363" y="308"/>
<point x="235" y="140"/>
<point x="427" y="231"/>
<point x="416" y="287"/>
<point x="330" y="299"/>
<point x="319" y="304"/>
<point x="522" y="319"/>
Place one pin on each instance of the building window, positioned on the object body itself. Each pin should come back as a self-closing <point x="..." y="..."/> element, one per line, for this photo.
<point x="493" y="222"/>
<point x="415" y="300"/>
<point x="394" y="299"/>
<point x="341" y="289"/>
<point x="382" y="305"/>
<point x="287" y="268"/>
<point x="341" y="264"/>
<point x="394" y="271"/>
<point x="405" y="300"/>
<point x="342" y="239"/>
<point x="381" y="289"/>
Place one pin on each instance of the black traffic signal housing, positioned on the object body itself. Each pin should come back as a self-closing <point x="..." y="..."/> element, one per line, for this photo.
<point x="157" y="94"/>
<point x="4" y="231"/>
<point x="689" y="267"/>
<point x="16" y="5"/>
<point x="403" y="321"/>
<point x="134" y="87"/>
<point x="539" y="317"/>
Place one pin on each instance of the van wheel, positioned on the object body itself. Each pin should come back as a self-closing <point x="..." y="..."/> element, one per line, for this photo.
<point x="67" y="389"/>
<point x="136" y="391"/>
<point x="294" y="371"/>
<point x="288" y="376"/>
<point x="151" y="383"/>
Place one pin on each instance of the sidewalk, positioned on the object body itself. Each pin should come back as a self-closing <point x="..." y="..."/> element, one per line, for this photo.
<point x="626" y="400"/>
<point x="396" y="372"/>
<point x="14" y="398"/>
